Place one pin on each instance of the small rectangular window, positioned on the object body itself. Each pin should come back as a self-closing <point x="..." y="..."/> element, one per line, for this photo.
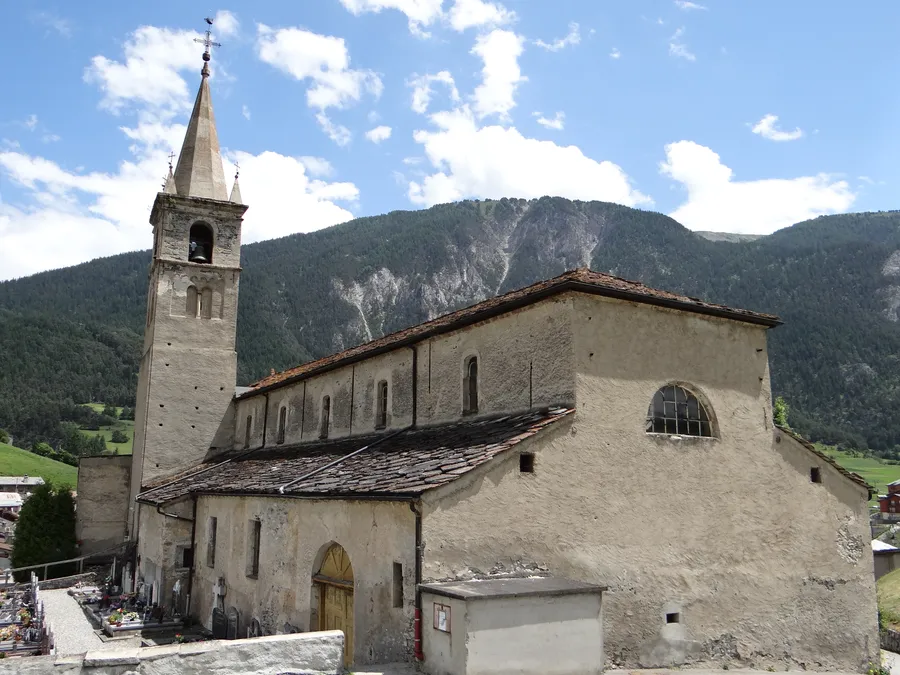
<point x="326" y="417"/>
<point x="382" y="405"/>
<point x="282" y="419"/>
<point x="526" y="462"/>
<point x="673" y="617"/>
<point x="211" y="527"/>
<point x="398" y="585"/>
<point x="254" y="531"/>
<point x="815" y="474"/>
<point x="187" y="557"/>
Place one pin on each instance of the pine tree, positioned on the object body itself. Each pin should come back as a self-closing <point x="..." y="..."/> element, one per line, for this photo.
<point x="45" y="532"/>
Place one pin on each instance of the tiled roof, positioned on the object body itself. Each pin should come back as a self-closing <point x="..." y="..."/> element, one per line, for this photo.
<point x="855" y="477"/>
<point x="399" y="464"/>
<point x="582" y="279"/>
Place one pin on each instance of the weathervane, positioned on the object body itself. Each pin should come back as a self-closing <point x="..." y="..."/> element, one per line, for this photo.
<point x="171" y="157"/>
<point x="207" y="42"/>
<point x="237" y="170"/>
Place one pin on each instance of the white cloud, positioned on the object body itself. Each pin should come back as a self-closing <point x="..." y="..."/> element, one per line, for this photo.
<point x="687" y="6"/>
<point x="767" y="127"/>
<point x="412" y="161"/>
<point x="322" y="59"/>
<point x="572" y="38"/>
<point x="615" y="53"/>
<point x="558" y="122"/>
<point x="715" y="201"/>
<point x="501" y="75"/>
<point x="225" y="24"/>
<point x="245" y="111"/>
<point x="31" y="122"/>
<point x="336" y="132"/>
<point x="316" y="166"/>
<point x="378" y="134"/>
<point x="420" y="14"/>
<point x="50" y="138"/>
<point x="677" y="47"/>
<point x="149" y="77"/>
<point x="421" y="86"/>
<point x="478" y="13"/>
<point x="496" y="161"/>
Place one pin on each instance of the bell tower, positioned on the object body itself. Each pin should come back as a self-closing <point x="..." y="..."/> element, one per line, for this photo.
<point x="189" y="364"/>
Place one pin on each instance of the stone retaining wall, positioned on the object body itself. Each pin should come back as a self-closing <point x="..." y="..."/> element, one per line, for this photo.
<point x="297" y="654"/>
<point x="890" y="640"/>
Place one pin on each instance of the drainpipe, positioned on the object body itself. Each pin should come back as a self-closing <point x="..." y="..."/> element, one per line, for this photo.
<point x="416" y="508"/>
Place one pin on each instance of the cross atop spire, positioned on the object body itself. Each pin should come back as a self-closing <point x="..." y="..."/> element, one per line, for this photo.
<point x="207" y="42"/>
<point x="199" y="171"/>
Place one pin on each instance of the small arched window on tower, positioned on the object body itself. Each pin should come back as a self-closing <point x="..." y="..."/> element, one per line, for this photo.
<point x="282" y="419"/>
<point x="381" y="405"/>
<point x="470" y="386"/>
<point x="326" y="417"/>
<point x="200" y="248"/>
<point x="675" y="410"/>
<point x="192" y="305"/>
<point x="206" y="302"/>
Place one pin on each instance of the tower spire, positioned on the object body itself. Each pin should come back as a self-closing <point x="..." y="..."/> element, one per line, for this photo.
<point x="199" y="172"/>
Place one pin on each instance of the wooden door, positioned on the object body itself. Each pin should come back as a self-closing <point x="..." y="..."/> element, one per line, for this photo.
<point x="335" y="579"/>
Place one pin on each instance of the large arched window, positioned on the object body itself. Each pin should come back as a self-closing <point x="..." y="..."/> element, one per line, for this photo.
<point x="200" y="248"/>
<point x="675" y="410"/>
<point x="470" y="385"/>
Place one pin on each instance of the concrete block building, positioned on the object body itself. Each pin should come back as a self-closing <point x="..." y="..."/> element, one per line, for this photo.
<point x="585" y="430"/>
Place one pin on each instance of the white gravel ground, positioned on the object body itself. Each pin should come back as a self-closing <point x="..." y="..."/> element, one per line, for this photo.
<point x="72" y="632"/>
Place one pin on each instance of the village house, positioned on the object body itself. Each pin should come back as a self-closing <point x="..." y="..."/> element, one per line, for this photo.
<point x="585" y="435"/>
<point x="889" y="504"/>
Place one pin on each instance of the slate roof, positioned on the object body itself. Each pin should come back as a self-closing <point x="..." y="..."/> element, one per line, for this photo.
<point x="855" y="477"/>
<point x="582" y="280"/>
<point x="400" y="464"/>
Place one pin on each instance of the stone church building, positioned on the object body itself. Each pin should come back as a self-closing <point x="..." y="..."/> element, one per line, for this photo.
<point x="584" y="428"/>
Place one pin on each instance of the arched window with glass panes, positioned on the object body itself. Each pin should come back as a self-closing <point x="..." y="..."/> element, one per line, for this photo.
<point x="676" y="411"/>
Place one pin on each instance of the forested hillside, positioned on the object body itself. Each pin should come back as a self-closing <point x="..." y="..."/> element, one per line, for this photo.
<point x="73" y="335"/>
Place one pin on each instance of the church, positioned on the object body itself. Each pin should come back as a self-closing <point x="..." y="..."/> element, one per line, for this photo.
<point x="584" y="432"/>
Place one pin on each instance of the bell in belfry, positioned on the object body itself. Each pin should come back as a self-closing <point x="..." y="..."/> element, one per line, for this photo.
<point x="198" y="253"/>
<point x="201" y="244"/>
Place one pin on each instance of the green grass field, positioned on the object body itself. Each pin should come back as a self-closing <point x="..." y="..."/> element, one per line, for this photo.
<point x="125" y="426"/>
<point x="888" y="588"/>
<point x="874" y="471"/>
<point x="18" y="462"/>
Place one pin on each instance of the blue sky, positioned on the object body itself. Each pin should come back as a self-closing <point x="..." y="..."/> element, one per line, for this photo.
<point x="728" y="115"/>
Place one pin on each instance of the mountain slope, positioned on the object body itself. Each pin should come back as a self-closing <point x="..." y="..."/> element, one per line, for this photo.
<point x="75" y="333"/>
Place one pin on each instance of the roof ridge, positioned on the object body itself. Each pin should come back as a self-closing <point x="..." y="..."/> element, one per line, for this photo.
<point x="579" y="279"/>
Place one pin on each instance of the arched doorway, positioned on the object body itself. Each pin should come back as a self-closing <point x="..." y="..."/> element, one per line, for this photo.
<point x="335" y="581"/>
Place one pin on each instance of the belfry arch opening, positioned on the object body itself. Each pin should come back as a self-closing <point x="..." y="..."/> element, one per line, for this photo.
<point x="333" y="586"/>
<point x="200" y="246"/>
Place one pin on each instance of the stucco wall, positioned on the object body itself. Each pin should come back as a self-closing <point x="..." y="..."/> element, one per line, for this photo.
<point x="525" y="361"/>
<point x="760" y="564"/>
<point x="295" y="535"/>
<point x="102" y="506"/>
<point x="160" y="549"/>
